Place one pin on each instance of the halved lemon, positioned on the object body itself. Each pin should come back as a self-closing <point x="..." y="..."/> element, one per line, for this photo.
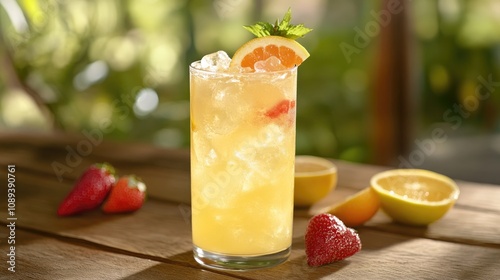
<point x="415" y="196"/>
<point x="288" y="51"/>
<point x="356" y="209"/>
<point x="315" y="177"/>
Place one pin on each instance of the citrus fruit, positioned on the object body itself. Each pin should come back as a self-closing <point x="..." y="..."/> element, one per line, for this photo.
<point x="288" y="51"/>
<point x="356" y="209"/>
<point x="415" y="196"/>
<point x="315" y="177"/>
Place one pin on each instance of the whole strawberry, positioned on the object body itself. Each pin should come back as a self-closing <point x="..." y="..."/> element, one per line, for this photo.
<point x="328" y="240"/>
<point x="89" y="191"/>
<point x="127" y="195"/>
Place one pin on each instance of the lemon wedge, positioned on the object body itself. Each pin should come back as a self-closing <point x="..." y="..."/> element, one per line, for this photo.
<point x="356" y="209"/>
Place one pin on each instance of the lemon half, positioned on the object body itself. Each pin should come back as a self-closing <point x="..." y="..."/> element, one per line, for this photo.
<point x="415" y="196"/>
<point x="315" y="177"/>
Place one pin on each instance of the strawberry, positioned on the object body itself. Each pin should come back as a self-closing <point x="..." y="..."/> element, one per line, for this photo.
<point x="127" y="195"/>
<point x="328" y="240"/>
<point x="280" y="108"/>
<point x="89" y="191"/>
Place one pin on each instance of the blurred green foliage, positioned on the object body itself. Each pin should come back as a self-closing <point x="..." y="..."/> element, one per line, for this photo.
<point x="121" y="66"/>
<point x="458" y="46"/>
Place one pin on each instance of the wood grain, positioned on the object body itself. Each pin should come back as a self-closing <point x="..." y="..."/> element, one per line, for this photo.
<point x="41" y="257"/>
<point x="465" y="244"/>
<point x="166" y="172"/>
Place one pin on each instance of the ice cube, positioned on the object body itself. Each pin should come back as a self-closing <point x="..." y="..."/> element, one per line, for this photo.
<point x="214" y="62"/>
<point x="271" y="64"/>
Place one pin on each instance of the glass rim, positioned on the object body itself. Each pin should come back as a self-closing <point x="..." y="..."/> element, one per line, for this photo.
<point x="194" y="69"/>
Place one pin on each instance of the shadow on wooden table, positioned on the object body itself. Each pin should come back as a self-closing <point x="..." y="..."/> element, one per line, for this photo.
<point x="294" y="268"/>
<point x="382" y="240"/>
<point x="168" y="271"/>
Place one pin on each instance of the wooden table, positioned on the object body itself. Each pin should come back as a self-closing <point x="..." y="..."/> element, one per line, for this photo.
<point x="155" y="242"/>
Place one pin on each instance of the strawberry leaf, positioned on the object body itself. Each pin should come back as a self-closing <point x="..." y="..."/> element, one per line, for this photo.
<point x="108" y="168"/>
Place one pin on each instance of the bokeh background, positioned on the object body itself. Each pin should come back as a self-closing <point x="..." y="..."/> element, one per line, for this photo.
<point x="391" y="82"/>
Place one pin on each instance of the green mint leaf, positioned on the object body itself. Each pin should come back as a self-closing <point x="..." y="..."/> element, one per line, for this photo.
<point x="285" y="22"/>
<point x="281" y="28"/>
<point x="297" y="31"/>
<point x="260" y="29"/>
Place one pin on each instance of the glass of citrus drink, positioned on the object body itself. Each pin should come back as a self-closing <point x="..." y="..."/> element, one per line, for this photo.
<point x="242" y="153"/>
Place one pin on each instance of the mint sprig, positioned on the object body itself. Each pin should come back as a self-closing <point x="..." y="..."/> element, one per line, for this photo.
<point x="281" y="28"/>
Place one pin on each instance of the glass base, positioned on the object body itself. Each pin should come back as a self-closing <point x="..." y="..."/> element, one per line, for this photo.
<point x="226" y="262"/>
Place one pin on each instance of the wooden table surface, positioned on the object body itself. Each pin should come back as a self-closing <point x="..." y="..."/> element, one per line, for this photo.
<point x="155" y="242"/>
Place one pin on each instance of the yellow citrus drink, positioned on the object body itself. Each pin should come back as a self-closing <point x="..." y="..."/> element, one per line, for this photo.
<point x="242" y="166"/>
<point x="243" y="149"/>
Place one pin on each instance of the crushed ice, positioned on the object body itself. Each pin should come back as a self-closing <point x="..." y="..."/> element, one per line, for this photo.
<point x="271" y="64"/>
<point x="215" y="62"/>
<point x="219" y="62"/>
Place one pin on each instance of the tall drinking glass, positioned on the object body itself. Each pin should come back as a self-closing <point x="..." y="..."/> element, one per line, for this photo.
<point x="242" y="167"/>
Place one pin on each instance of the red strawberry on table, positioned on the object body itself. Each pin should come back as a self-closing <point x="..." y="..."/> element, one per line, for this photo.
<point x="328" y="240"/>
<point x="89" y="191"/>
<point x="127" y="195"/>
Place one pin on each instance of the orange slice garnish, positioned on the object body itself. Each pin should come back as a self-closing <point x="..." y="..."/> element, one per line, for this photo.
<point x="288" y="51"/>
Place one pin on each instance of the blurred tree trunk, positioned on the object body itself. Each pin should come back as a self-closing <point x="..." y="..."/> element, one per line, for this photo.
<point x="392" y="109"/>
<point x="12" y="80"/>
